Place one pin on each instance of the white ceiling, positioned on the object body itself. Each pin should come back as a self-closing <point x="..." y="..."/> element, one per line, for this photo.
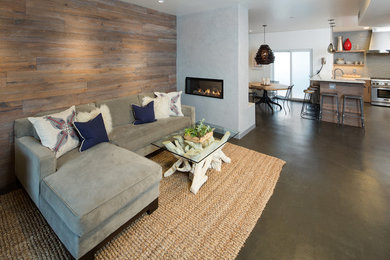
<point x="375" y="12"/>
<point x="279" y="15"/>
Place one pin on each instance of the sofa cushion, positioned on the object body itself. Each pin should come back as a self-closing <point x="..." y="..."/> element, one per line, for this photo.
<point x="85" y="107"/>
<point x="67" y="157"/>
<point x="134" y="137"/>
<point x="93" y="186"/>
<point x="120" y="109"/>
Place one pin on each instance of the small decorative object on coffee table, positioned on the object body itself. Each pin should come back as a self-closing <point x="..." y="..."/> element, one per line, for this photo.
<point x="199" y="133"/>
<point x="197" y="148"/>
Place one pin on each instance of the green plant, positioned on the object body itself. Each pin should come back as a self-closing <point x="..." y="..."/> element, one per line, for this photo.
<point x="198" y="130"/>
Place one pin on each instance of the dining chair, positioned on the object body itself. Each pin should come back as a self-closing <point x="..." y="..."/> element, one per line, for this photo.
<point x="253" y="95"/>
<point x="274" y="94"/>
<point x="287" y="98"/>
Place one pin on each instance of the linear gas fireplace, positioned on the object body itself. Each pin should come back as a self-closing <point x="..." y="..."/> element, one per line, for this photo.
<point x="204" y="87"/>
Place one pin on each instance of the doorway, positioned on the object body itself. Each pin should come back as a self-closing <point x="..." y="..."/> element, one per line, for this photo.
<point x="293" y="67"/>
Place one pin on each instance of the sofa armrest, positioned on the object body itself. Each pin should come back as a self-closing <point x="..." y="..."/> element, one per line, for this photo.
<point x="33" y="162"/>
<point x="189" y="111"/>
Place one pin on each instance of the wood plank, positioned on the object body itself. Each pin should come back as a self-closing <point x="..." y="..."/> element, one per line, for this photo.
<point x="41" y="91"/>
<point x="101" y="10"/>
<point x="3" y="79"/>
<point x="16" y="6"/>
<point x="367" y="91"/>
<point x="25" y="23"/>
<point x="17" y="63"/>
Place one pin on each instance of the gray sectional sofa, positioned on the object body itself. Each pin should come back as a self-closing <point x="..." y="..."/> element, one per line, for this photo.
<point x="87" y="197"/>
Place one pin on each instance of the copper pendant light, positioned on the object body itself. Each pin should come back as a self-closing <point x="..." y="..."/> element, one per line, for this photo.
<point x="332" y="24"/>
<point x="264" y="55"/>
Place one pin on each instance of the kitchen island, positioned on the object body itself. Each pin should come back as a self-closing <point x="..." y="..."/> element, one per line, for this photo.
<point x="341" y="86"/>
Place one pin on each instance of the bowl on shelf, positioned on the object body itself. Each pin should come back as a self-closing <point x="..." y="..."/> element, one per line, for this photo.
<point x="349" y="62"/>
<point x="340" y="61"/>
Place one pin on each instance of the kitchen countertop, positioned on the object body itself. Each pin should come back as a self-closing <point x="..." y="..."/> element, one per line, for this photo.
<point x="340" y="79"/>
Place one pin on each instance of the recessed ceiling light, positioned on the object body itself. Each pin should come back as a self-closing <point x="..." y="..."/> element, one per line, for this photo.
<point x="250" y="31"/>
<point x="161" y="1"/>
<point x="366" y="27"/>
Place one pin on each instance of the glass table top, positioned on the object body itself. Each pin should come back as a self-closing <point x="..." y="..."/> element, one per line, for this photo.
<point x="195" y="152"/>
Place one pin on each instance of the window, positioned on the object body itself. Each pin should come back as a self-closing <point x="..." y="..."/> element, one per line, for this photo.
<point x="293" y="67"/>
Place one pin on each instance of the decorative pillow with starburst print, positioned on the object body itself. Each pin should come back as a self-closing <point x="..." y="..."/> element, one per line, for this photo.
<point x="57" y="131"/>
<point x="174" y="103"/>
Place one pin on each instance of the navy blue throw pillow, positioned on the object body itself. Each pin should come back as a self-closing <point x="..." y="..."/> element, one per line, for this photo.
<point x="144" y="114"/>
<point x="92" y="132"/>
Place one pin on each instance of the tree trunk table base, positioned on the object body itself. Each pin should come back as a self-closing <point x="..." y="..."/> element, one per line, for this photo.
<point x="197" y="171"/>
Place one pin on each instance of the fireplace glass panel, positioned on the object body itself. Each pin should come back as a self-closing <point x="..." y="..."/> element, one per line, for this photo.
<point x="204" y="87"/>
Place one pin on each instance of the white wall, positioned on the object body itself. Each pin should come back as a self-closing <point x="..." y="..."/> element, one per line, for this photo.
<point x="214" y="44"/>
<point x="246" y="110"/>
<point x="317" y="40"/>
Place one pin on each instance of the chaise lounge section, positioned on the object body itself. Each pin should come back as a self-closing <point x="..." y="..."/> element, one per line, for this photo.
<point x="86" y="197"/>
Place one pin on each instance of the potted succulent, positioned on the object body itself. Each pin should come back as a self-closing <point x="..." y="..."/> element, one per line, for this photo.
<point x="199" y="133"/>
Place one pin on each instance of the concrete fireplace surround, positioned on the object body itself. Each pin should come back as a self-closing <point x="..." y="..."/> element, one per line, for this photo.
<point x="214" y="44"/>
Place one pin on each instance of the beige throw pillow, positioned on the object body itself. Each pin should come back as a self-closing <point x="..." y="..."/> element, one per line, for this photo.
<point x="161" y="106"/>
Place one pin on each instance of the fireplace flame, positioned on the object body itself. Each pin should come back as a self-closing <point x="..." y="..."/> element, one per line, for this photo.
<point x="208" y="92"/>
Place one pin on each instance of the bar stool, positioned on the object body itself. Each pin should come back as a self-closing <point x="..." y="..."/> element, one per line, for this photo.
<point x="306" y="112"/>
<point x="322" y="110"/>
<point x="361" y="106"/>
<point x="316" y="96"/>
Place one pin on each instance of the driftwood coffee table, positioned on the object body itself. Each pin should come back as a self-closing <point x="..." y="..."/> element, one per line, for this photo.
<point x="196" y="158"/>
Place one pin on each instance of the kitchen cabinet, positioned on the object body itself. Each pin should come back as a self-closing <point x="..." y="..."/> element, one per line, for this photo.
<point x="367" y="92"/>
<point x="341" y="87"/>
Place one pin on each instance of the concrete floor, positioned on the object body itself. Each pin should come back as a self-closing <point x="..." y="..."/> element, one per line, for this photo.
<point x="332" y="200"/>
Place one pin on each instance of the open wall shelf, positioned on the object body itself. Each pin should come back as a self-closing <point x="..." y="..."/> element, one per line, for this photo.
<point x="351" y="65"/>
<point x="351" y="51"/>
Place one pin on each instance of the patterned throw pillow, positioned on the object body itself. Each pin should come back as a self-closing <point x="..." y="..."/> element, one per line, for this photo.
<point x="174" y="103"/>
<point x="56" y="131"/>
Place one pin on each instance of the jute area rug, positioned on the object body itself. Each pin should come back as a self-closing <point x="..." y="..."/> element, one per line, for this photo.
<point x="213" y="224"/>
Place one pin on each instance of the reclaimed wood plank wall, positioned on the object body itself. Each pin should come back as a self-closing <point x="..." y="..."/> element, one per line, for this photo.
<point x="56" y="53"/>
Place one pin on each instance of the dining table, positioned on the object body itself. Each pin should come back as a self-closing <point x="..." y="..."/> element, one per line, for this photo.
<point x="265" y="97"/>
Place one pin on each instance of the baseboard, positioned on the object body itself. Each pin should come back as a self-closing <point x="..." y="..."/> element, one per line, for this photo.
<point x="245" y="132"/>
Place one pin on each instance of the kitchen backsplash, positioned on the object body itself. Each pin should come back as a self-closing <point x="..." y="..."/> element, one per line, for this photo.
<point x="378" y="65"/>
<point x="360" y="39"/>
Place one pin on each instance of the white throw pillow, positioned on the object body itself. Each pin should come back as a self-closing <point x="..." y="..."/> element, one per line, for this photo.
<point x="174" y="102"/>
<point x="161" y="106"/>
<point x="104" y="110"/>
<point x="56" y="131"/>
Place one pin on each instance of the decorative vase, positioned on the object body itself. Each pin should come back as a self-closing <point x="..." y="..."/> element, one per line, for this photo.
<point x="339" y="43"/>
<point x="347" y="45"/>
